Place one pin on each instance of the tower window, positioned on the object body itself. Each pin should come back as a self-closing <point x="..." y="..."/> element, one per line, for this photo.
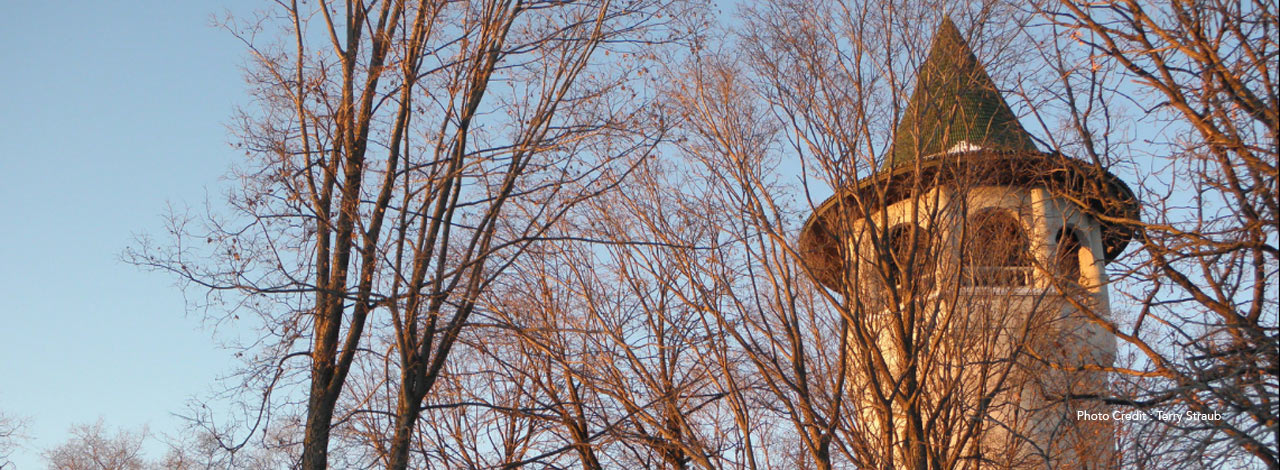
<point x="1069" y="254"/>
<point x="998" y="252"/>
<point x="908" y="255"/>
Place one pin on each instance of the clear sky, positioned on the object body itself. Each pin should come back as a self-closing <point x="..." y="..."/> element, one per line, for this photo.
<point x="108" y="111"/>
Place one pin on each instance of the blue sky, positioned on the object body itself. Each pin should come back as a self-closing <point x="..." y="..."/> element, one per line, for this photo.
<point x="109" y="111"/>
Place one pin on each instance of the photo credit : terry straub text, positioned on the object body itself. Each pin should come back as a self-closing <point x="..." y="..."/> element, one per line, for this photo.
<point x="1169" y="416"/>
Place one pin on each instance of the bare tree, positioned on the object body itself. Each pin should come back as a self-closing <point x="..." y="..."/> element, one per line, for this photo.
<point x="384" y="176"/>
<point x="585" y="355"/>
<point x="11" y="437"/>
<point x="630" y="353"/>
<point x="95" y="447"/>
<point x="198" y="448"/>
<point x="1198" y="81"/>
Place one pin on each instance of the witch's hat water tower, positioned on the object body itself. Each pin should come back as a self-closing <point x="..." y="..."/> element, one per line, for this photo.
<point x="1009" y="232"/>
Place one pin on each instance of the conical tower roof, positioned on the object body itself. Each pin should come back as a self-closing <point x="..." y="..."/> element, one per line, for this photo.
<point x="955" y="107"/>
<point x="957" y="130"/>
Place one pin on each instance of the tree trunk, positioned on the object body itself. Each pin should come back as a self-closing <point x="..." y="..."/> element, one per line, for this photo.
<point x="315" y="441"/>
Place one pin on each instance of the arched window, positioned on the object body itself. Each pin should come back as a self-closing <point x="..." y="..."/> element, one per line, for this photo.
<point x="908" y="254"/>
<point x="998" y="252"/>
<point x="1069" y="255"/>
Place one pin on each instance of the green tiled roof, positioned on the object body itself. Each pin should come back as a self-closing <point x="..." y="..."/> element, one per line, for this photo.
<point x="954" y="102"/>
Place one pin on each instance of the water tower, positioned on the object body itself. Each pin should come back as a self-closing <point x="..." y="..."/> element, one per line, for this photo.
<point x="972" y="267"/>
